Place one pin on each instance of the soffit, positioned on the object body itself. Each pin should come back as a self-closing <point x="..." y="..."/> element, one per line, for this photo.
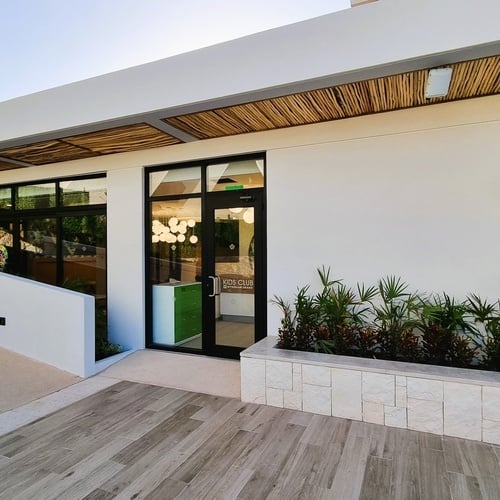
<point x="473" y="78"/>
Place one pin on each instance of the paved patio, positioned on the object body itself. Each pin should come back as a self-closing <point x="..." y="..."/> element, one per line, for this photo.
<point x="134" y="440"/>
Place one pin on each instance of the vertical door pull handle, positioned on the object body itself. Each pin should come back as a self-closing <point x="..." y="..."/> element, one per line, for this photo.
<point x="214" y="284"/>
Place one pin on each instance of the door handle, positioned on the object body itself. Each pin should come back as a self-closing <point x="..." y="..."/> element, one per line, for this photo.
<point x="214" y="286"/>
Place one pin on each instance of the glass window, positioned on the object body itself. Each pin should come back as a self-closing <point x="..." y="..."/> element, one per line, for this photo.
<point x="175" y="272"/>
<point x="84" y="254"/>
<point x="175" y="181"/>
<point x="5" y="198"/>
<point x="83" y="192"/>
<point x="176" y="240"/>
<point x="6" y="246"/>
<point x="36" y="196"/>
<point x="236" y="175"/>
<point x="39" y="250"/>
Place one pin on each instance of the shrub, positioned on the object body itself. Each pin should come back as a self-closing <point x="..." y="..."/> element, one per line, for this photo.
<point x="389" y="322"/>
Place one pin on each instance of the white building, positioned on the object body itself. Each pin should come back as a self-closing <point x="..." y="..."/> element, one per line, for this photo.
<point x="320" y="132"/>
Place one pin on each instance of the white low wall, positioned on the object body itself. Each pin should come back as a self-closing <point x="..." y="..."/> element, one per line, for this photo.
<point x="48" y="323"/>
<point x="440" y="400"/>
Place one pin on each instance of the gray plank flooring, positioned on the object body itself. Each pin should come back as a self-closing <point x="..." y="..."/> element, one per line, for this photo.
<point x="136" y="441"/>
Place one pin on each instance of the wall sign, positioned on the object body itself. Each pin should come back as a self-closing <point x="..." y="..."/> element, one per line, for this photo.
<point x="236" y="283"/>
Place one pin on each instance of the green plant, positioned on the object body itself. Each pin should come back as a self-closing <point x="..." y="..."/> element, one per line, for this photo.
<point x="339" y="310"/>
<point x="389" y="322"/>
<point x="395" y="317"/>
<point x="486" y="315"/>
<point x="299" y="324"/>
<point x="446" y="332"/>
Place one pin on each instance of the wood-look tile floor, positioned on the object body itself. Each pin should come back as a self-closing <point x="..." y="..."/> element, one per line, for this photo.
<point x="136" y="441"/>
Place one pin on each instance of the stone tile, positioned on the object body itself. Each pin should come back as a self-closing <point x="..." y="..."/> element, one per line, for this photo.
<point x="421" y="388"/>
<point x="425" y="416"/>
<point x="400" y="381"/>
<point x="491" y="403"/>
<point x="317" y="399"/>
<point x="401" y="396"/>
<point x="253" y="380"/>
<point x="491" y="431"/>
<point x="316" y="375"/>
<point x="373" y="412"/>
<point x="279" y="375"/>
<point x="13" y="419"/>
<point x="297" y="377"/>
<point x="462" y="410"/>
<point x="346" y="394"/>
<point x="378" y="388"/>
<point x="292" y="400"/>
<point x="274" y="397"/>
<point x="395" y="417"/>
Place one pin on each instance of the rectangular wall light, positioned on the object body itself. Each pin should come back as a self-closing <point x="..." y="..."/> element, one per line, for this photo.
<point x="438" y="82"/>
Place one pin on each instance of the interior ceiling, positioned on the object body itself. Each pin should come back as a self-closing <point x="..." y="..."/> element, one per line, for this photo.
<point x="473" y="78"/>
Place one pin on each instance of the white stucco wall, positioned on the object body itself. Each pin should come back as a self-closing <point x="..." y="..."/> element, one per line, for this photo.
<point x="47" y="323"/>
<point x="423" y="205"/>
<point x="125" y="257"/>
<point x="411" y="192"/>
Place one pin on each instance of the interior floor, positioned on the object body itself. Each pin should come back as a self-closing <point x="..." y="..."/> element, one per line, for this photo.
<point x="228" y="333"/>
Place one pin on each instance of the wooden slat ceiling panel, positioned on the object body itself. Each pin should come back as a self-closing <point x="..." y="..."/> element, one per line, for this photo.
<point x="122" y="139"/>
<point x="46" y="152"/>
<point x="114" y="140"/>
<point x="470" y="79"/>
<point x="5" y="165"/>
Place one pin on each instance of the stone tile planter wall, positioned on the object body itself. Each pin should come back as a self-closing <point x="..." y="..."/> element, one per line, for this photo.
<point x="451" y="401"/>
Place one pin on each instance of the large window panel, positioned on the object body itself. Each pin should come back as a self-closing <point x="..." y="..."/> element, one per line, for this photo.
<point x="83" y="192"/>
<point x="235" y="175"/>
<point x="175" y="181"/>
<point x="39" y="249"/>
<point x="36" y="196"/>
<point x="176" y="240"/>
<point x="5" y="198"/>
<point x="6" y="247"/>
<point x="84" y="253"/>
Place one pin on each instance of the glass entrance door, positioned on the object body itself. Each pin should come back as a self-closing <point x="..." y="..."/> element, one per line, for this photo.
<point x="233" y="274"/>
<point x="206" y="267"/>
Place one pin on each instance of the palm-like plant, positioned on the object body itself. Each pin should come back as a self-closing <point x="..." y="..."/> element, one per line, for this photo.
<point x="340" y="309"/>
<point x="488" y="341"/>
<point x="396" y="318"/>
<point x="446" y="332"/>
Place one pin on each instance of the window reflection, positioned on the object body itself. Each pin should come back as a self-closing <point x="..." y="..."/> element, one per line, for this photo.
<point x="236" y="175"/>
<point x="39" y="249"/>
<point x="36" y="196"/>
<point x="176" y="240"/>
<point x="83" y="192"/>
<point x="175" y="181"/>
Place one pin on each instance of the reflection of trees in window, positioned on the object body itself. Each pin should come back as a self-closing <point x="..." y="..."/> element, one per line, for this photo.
<point x="82" y="235"/>
<point x="36" y="197"/>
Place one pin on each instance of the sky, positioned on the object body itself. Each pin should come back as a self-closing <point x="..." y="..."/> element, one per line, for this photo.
<point x="47" y="43"/>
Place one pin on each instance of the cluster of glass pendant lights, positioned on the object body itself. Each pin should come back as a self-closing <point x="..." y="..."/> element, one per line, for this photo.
<point x="176" y="231"/>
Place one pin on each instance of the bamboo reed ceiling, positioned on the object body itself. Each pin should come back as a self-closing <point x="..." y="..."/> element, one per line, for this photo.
<point x="469" y="79"/>
<point x="114" y="140"/>
<point x="4" y="165"/>
<point x="473" y="78"/>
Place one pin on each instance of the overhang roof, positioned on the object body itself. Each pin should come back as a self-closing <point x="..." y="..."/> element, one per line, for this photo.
<point x="389" y="83"/>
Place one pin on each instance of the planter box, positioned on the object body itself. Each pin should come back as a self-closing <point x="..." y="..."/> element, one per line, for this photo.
<point x="440" y="400"/>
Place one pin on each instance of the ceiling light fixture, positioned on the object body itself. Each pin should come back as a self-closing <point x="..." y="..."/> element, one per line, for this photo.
<point x="438" y="82"/>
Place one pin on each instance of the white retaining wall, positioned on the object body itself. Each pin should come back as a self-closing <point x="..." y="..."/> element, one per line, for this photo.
<point x="440" y="400"/>
<point x="49" y="324"/>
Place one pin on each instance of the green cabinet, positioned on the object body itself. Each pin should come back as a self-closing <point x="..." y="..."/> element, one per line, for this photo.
<point x="176" y="312"/>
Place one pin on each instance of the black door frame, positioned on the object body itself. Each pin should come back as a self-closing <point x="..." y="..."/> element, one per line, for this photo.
<point x="260" y="281"/>
<point x="228" y="199"/>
